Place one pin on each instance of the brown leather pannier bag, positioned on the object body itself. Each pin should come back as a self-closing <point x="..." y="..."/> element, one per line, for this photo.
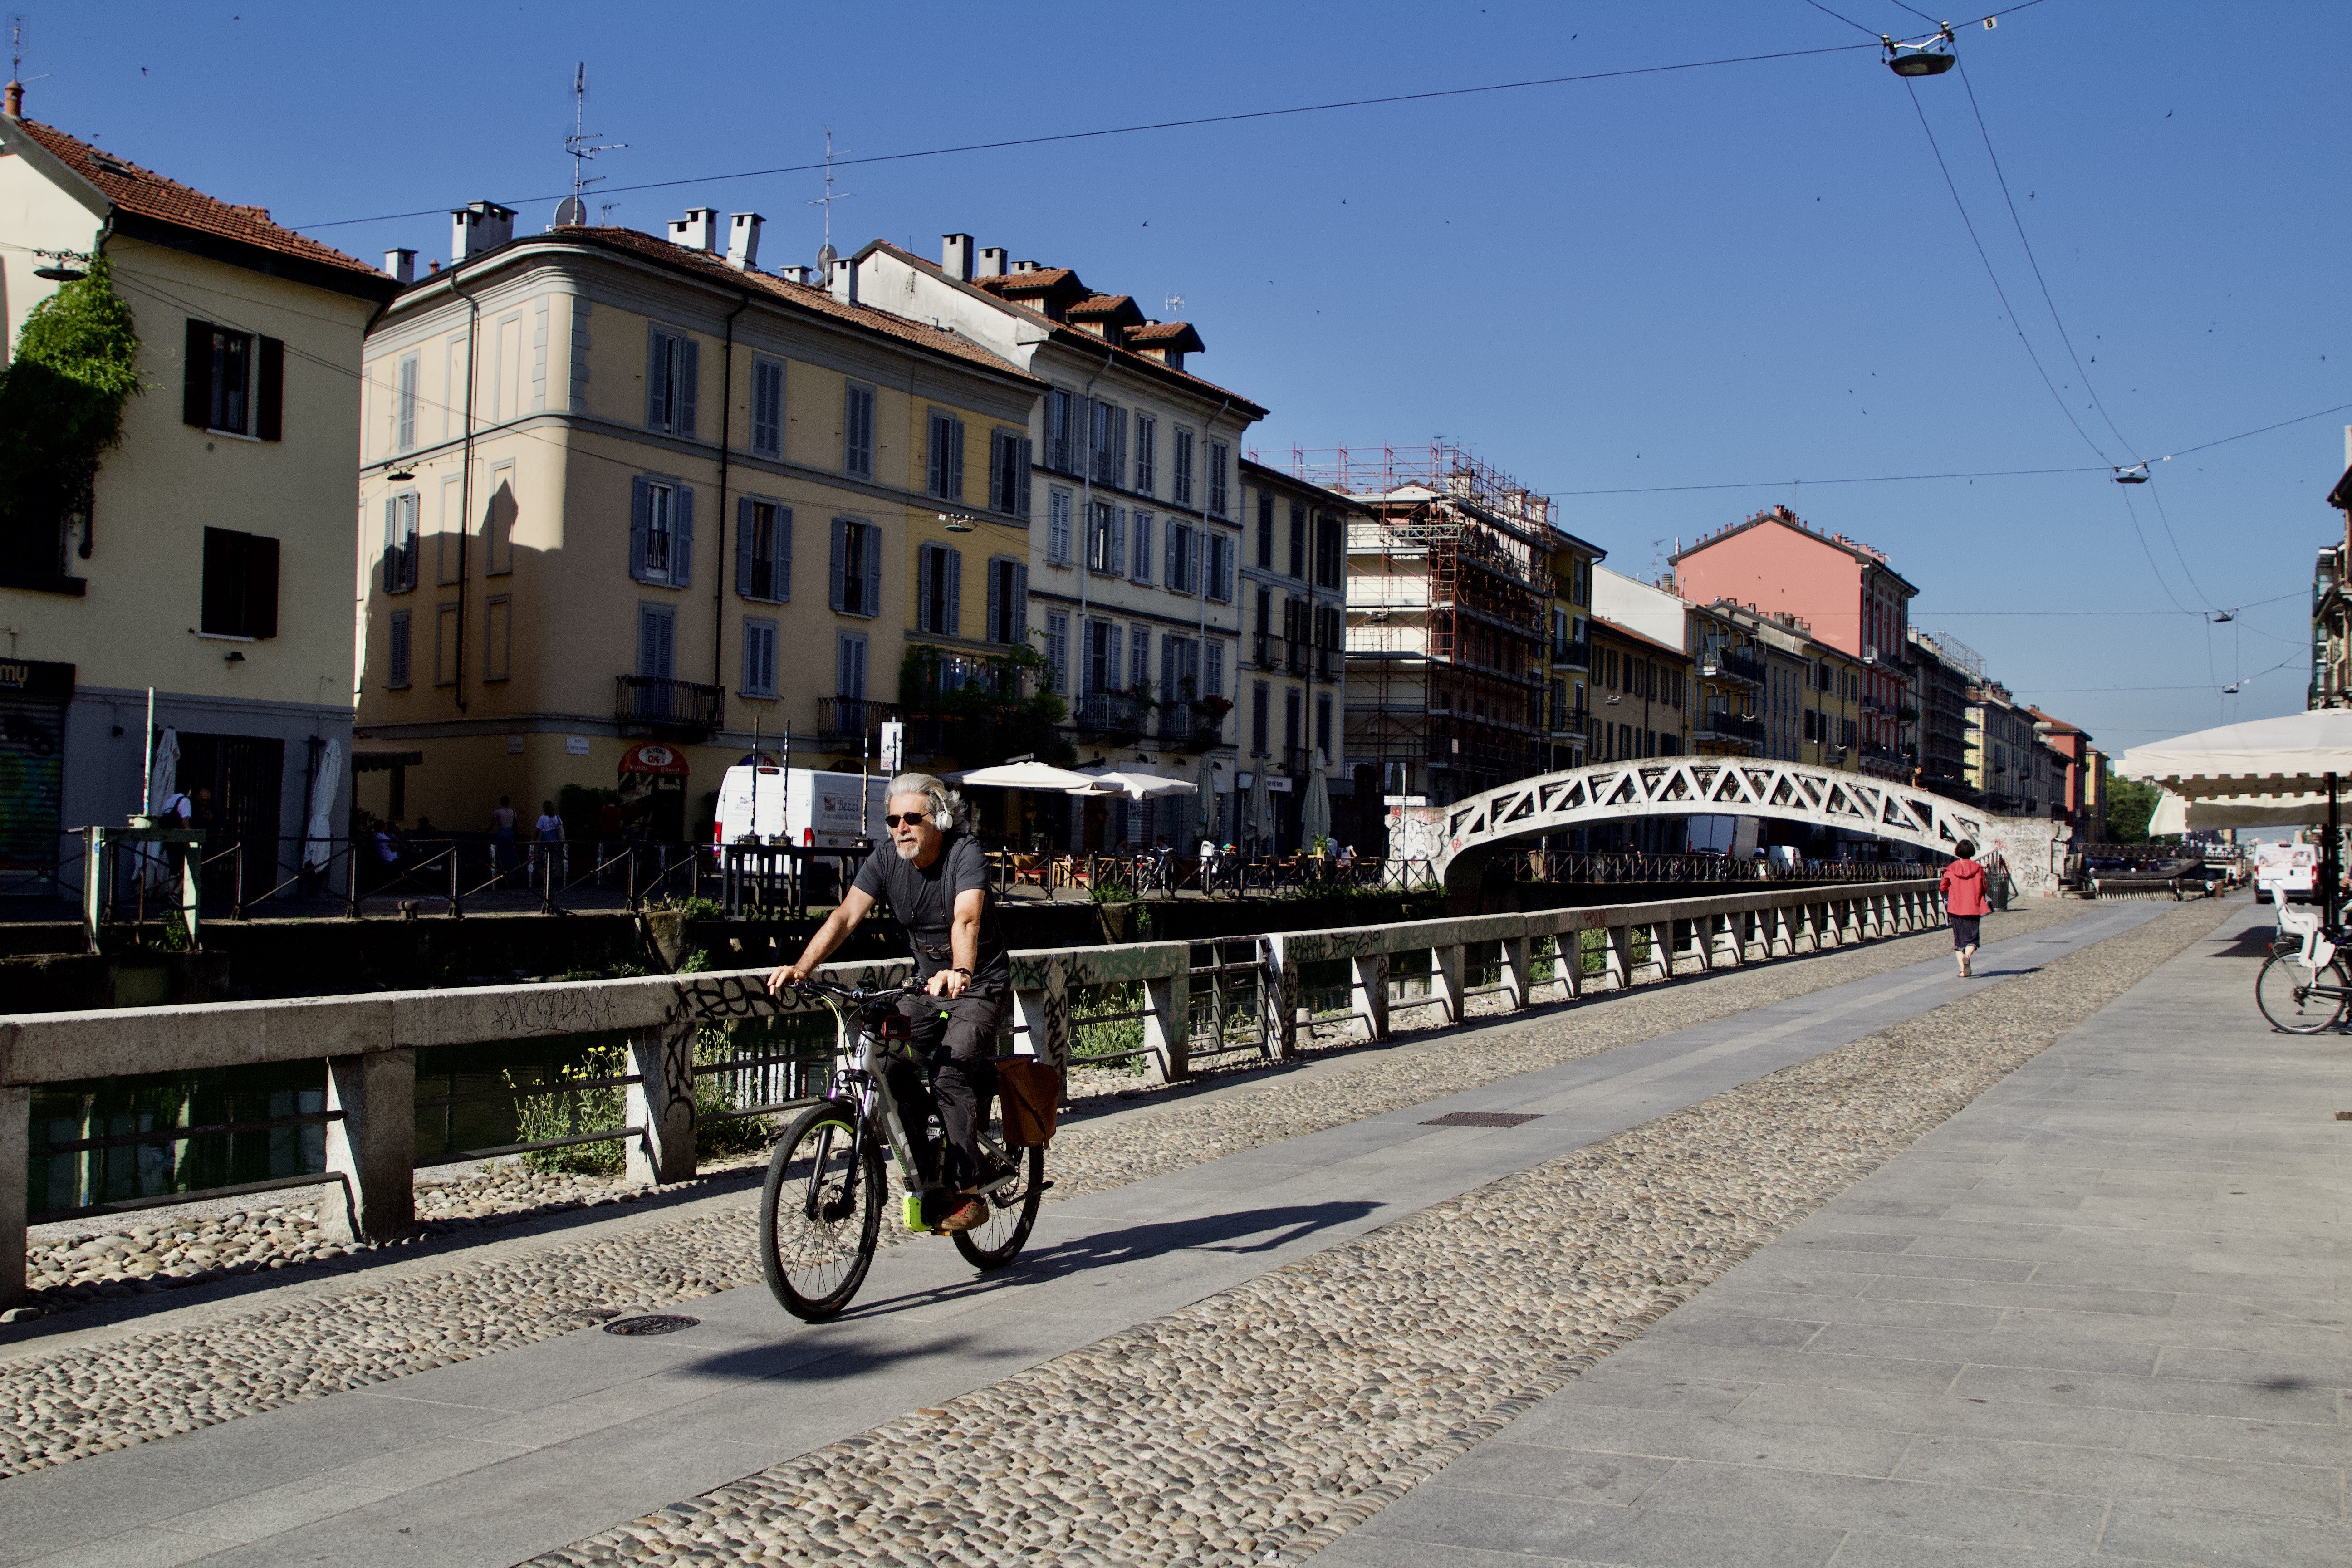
<point x="1028" y="1092"/>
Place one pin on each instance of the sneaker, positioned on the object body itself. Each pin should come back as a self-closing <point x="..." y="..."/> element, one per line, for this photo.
<point x="974" y="1215"/>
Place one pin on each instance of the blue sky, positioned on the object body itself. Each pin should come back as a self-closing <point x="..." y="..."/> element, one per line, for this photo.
<point x="1744" y="273"/>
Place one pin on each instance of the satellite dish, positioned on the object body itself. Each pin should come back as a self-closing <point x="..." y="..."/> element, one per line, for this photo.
<point x="571" y="212"/>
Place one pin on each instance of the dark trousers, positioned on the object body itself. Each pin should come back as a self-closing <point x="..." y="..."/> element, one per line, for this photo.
<point x="955" y="1039"/>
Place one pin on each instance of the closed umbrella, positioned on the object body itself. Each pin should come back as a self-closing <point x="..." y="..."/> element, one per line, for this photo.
<point x="163" y="783"/>
<point x="318" y="844"/>
<point x="1315" y="807"/>
<point x="1205" y="802"/>
<point x="1260" y="825"/>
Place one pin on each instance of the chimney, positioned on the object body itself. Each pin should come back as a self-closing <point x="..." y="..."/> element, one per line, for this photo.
<point x="844" y="281"/>
<point x="697" y="230"/>
<point x="15" y="105"/>
<point x="1024" y="267"/>
<point x="955" y="256"/>
<point x="401" y="265"/>
<point x="744" y="240"/>
<point x="793" y="274"/>
<point x="992" y="265"/>
<point x="478" y="226"/>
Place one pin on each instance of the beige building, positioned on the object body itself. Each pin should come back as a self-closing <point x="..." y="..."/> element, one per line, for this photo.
<point x="210" y="557"/>
<point x="1808" y="698"/>
<point x="1567" y="706"/>
<point x="1294" y="640"/>
<point x="626" y="500"/>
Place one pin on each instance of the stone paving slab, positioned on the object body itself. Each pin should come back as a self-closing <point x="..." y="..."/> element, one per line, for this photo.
<point x="1997" y="1348"/>
<point x="748" y="1387"/>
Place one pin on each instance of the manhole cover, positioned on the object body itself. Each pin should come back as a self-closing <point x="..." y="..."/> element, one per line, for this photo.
<point x="653" y="1324"/>
<point x="1482" y="1119"/>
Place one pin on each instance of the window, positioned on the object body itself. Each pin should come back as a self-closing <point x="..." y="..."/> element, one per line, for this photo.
<point x="1298" y="542"/>
<point x="1265" y="622"/>
<point x="946" y="467"/>
<point x="241" y="587"/>
<point x="1180" y="668"/>
<point x="1108" y="444"/>
<point x="1183" y="466"/>
<point x="759" y="658"/>
<point x="1293" y="717"/>
<point x="400" y="541"/>
<point x="1138" y="657"/>
<point x="1008" y="601"/>
<point x="1261" y="714"/>
<point x="857" y="431"/>
<point x="849" y="664"/>
<point x="1008" y="473"/>
<point x="404" y="407"/>
<point x="1058" y="650"/>
<point x="1105" y="661"/>
<point x="763" y="550"/>
<point x="939" y="594"/>
<point x="661" y="532"/>
<point x="767" y="409"/>
<point x="498" y="637"/>
<point x="1220" y="565"/>
<point x="672" y="373"/>
<point x="1216" y="478"/>
<point x="235" y="383"/>
<point x="1141" y="559"/>
<point x="444" y="645"/>
<point x="1331" y="551"/>
<point x="656" y="641"/>
<point x="1183" y="558"/>
<point x="497" y="522"/>
<point x="396" y="657"/>
<point x="1212" y="683"/>
<point x="1057" y="528"/>
<point x="1059" y="406"/>
<point x="1107" y="539"/>
<point x="856" y="568"/>
<point x="1264" y="531"/>
<point x="1147" y="440"/>
<point x="1323" y="724"/>
<point x="450" y="536"/>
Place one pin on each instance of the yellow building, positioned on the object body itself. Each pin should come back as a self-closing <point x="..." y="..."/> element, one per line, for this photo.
<point x="1811" y="695"/>
<point x="210" y="556"/>
<point x="619" y="491"/>
<point x="1568" y="668"/>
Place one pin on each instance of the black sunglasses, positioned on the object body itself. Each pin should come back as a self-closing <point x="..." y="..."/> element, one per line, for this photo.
<point x="912" y="819"/>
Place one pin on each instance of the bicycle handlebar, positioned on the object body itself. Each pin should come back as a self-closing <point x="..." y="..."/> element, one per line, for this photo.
<point x="850" y="994"/>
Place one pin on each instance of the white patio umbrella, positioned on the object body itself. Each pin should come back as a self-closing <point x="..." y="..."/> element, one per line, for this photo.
<point x="2174" y="814"/>
<point x="2276" y="761"/>
<point x="1143" y="784"/>
<point x="1315" y="806"/>
<point x="1260" y="824"/>
<point x="163" y="776"/>
<point x="318" y="843"/>
<point x="1032" y="776"/>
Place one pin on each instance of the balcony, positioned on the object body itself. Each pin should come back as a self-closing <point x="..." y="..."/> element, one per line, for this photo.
<point x="1184" y="729"/>
<point x="667" y="705"/>
<point x="1729" y="727"/>
<point x="1109" y="714"/>
<point x="1294" y="657"/>
<point x="1731" y="664"/>
<point x="1261" y="645"/>
<point x="843" y="721"/>
<point x="1571" y="723"/>
<point x="1571" y="656"/>
<point x="1328" y="661"/>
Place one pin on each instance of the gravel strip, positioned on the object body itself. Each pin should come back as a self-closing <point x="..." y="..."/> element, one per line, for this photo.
<point x="1260" y="1424"/>
<point x="148" y="1384"/>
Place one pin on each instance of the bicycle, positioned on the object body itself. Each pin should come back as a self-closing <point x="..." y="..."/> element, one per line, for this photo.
<point x="2294" y="990"/>
<point x="821" y="1207"/>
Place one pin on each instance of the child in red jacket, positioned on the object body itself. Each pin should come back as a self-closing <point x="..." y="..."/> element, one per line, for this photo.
<point x="1964" y="901"/>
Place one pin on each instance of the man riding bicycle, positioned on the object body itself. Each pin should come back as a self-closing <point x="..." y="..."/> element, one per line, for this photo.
<point x="936" y="883"/>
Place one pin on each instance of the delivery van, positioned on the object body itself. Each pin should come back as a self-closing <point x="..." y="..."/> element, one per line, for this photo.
<point x="2285" y="873"/>
<point x="808" y="808"/>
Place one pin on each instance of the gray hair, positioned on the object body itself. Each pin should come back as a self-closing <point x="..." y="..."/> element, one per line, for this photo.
<point x="936" y="797"/>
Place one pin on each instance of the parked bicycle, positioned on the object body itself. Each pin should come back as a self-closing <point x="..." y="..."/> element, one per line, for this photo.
<point x="2302" y="987"/>
<point x="821" y="1210"/>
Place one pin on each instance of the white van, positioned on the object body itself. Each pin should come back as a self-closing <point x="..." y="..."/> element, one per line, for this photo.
<point x="2285" y="873"/>
<point x="806" y="807"/>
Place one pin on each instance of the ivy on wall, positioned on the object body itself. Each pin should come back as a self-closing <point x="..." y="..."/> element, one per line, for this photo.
<point x="61" y="400"/>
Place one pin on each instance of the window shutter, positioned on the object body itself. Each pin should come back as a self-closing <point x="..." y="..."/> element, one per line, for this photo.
<point x="391" y="546"/>
<point x="1119" y="538"/>
<point x="872" y="570"/>
<point x="656" y="379"/>
<point x="682" y="540"/>
<point x="1118" y="450"/>
<point x="1000" y="495"/>
<point x="955" y="459"/>
<point x="641" y="521"/>
<point x="840" y="559"/>
<point x="955" y="593"/>
<point x="648" y="642"/>
<point x="1143" y="547"/>
<point x="260" y="586"/>
<point x="1021" y="480"/>
<point x="743" y="525"/>
<point x="996" y="618"/>
<point x="1115" y="659"/>
<point x="1175" y="571"/>
<point x="688" y="374"/>
<point x="196" y="391"/>
<point x="1193" y="561"/>
<point x="923" y="577"/>
<point x="1021" y="602"/>
<point x="783" y="552"/>
<point x="269" y="415"/>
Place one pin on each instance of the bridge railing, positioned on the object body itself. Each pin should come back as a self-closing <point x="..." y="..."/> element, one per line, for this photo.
<point x="368" y="1045"/>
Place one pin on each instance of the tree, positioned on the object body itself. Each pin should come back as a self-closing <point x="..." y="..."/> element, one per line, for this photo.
<point x="2130" y="803"/>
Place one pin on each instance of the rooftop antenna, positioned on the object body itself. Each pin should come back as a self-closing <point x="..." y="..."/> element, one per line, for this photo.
<point x="824" y="257"/>
<point x="581" y="146"/>
<point x="18" y="25"/>
<point x="1175" y="303"/>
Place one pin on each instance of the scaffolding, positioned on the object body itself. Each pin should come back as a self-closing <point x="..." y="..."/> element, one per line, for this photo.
<point x="1449" y="579"/>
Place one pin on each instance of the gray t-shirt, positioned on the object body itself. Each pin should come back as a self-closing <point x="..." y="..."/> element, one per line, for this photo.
<point x="922" y="900"/>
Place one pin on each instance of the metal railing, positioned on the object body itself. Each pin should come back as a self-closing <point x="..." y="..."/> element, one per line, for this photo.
<point x="365" y="1047"/>
<point x="1605" y="866"/>
<point x="842" y="720"/>
<point x="1727" y="726"/>
<point x="1734" y="663"/>
<point x="668" y="704"/>
<point x="1111" y="713"/>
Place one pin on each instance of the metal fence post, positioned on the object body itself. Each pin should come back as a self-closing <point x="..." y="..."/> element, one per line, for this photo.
<point x="662" y="1102"/>
<point x="372" y="1148"/>
<point x="456" y="908"/>
<point x="15" y="1153"/>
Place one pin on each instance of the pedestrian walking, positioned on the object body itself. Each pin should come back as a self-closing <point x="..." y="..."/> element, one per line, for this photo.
<point x="550" y="829"/>
<point x="1963" y="885"/>
<point x="502" y="836"/>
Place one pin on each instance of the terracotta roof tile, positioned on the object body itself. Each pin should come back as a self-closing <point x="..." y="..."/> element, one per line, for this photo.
<point x="1044" y="280"/>
<point x="142" y="191"/>
<point x="1107" y="305"/>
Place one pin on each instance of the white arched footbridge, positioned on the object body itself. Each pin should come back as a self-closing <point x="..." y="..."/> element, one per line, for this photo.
<point x="1701" y="786"/>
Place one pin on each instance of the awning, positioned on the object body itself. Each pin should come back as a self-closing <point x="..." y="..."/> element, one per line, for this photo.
<point x="2291" y="755"/>
<point x="663" y="762"/>
<point x="382" y="756"/>
<point x="2174" y="814"/>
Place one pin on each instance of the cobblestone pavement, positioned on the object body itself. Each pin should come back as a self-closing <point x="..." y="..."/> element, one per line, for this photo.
<point x="151" y="1384"/>
<point x="1258" y="1425"/>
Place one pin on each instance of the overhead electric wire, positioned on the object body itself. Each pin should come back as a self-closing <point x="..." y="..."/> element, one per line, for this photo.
<point x="1153" y="125"/>
<point x="1864" y="479"/>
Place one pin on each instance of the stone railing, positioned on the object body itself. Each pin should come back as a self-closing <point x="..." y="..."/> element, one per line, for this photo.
<point x="369" y="1044"/>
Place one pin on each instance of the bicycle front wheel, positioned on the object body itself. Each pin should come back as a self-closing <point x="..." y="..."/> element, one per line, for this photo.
<point x="820" y="1214"/>
<point x="2298" y="999"/>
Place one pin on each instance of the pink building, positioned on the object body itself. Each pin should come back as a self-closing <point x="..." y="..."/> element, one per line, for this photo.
<point x="1855" y="601"/>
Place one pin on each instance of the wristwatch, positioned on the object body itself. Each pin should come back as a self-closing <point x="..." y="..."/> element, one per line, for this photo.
<point x="958" y="970"/>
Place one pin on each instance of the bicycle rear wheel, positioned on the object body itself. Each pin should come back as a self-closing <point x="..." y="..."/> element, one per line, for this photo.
<point x="2297" y="999"/>
<point x="1012" y="1210"/>
<point x="820" y="1216"/>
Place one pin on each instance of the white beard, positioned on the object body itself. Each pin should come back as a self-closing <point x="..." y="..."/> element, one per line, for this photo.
<point x="907" y="851"/>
